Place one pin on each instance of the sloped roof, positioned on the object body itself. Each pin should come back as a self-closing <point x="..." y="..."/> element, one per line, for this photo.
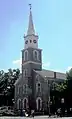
<point x="19" y="79"/>
<point x="31" y="25"/>
<point x="50" y="74"/>
<point x="46" y="73"/>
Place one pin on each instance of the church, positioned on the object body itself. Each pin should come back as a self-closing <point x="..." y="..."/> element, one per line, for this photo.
<point x="32" y="89"/>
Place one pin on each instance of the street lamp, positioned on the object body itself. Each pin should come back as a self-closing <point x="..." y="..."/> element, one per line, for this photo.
<point x="48" y="93"/>
<point x="62" y="100"/>
<point x="13" y="101"/>
<point x="62" y="107"/>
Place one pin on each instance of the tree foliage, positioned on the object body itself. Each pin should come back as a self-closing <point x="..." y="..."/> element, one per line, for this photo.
<point x="67" y="84"/>
<point x="64" y="90"/>
<point x="7" y="80"/>
<point x="69" y="74"/>
<point x="61" y="87"/>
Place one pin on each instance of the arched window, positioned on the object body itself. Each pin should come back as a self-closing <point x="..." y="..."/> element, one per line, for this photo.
<point x="34" y="41"/>
<point x="37" y="77"/>
<point x="19" y="104"/>
<point x="18" y="89"/>
<point x="39" y="103"/>
<point x="38" y="87"/>
<point x="25" y="72"/>
<point x="30" y="41"/>
<point x="26" y="41"/>
<point x="39" y="56"/>
<point x="35" y="55"/>
<point x="26" y="55"/>
<point x="25" y="103"/>
<point x="25" y="88"/>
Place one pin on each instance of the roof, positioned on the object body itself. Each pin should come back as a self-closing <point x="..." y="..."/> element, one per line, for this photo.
<point x="20" y="77"/>
<point x="50" y="74"/>
<point x="31" y="26"/>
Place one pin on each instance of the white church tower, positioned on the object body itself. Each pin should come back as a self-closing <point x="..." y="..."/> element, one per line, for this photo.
<point x="31" y="40"/>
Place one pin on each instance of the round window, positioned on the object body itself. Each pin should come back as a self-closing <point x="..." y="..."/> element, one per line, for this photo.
<point x="34" y="41"/>
<point x="26" y="41"/>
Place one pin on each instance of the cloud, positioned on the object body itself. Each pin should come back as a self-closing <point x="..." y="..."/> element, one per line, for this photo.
<point x="69" y="68"/>
<point x="17" y="63"/>
<point x="46" y="65"/>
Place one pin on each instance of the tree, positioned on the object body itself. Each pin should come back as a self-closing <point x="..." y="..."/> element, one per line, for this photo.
<point x="69" y="74"/>
<point x="69" y="88"/>
<point x="64" y="90"/>
<point x="7" y="80"/>
<point x="61" y="87"/>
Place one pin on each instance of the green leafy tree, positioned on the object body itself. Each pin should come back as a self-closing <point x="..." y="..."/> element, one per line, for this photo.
<point x="61" y="87"/>
<point x="67" y="84"/>
<point x="64" y="90"/>
<point x="69" y="74"/>
<point x="69" y="88"/>
<point x="7" y="80"/>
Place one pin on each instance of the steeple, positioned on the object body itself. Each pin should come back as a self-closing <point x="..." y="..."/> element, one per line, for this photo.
<point x="30" y="26"/>
<point x="31" y="39"/>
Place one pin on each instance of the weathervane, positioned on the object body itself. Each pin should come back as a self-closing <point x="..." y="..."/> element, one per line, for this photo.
<point x="30" y="6"/>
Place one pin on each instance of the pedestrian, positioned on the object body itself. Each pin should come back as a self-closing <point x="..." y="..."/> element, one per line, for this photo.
<point x="26" y="114"/>
<point x="32" y="113"/>
<point x="59" y="112"/>
<point x="65" y="112"/>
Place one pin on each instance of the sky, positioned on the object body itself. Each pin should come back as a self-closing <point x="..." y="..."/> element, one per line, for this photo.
<point x="53" y="23"/>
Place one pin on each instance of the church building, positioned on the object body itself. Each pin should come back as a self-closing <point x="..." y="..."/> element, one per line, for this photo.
<point x="32" y="89"/>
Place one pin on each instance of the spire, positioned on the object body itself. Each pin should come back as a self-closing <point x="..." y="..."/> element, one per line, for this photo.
<point x="30" y="26"/>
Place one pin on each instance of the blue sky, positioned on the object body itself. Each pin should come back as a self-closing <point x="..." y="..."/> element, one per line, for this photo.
<point x="53" y="23"/>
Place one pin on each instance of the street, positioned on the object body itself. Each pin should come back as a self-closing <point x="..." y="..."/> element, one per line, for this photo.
<point x="36" y="117"/>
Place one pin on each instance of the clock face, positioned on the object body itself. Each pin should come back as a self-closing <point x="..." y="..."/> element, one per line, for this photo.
<point x="34" y="41"/>
<point x="26" y="41"/>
